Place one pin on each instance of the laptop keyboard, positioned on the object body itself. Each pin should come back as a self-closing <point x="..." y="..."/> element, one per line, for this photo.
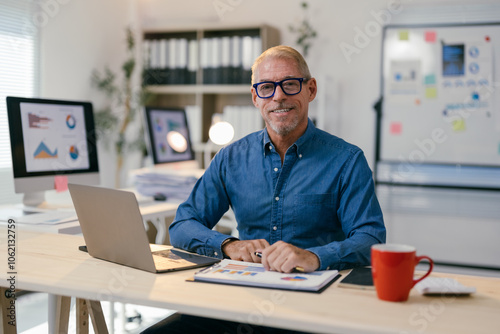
<point x="172" y="259"/>
<point x="165" y="259"/>
<point x="166" y="254"/>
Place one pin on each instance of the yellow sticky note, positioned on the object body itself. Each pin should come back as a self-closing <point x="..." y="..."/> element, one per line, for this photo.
<point x="404" y="35"/>
<point x="459" y="125"/>
<point x="431" y="92"/>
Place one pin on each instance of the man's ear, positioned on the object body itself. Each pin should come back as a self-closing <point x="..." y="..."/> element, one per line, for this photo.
<point x="312" y="88"/>
<point x="254" y="98"/>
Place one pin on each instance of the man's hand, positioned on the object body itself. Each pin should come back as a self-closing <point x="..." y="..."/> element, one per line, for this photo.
<point x="244" y="250"/>
<point x="284" y="257"/>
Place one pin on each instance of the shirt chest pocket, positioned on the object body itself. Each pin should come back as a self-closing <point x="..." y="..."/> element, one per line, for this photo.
<point x="313" y="214"/>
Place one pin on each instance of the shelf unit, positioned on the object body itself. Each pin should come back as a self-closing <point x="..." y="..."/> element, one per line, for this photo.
<point x="210" y="98"/>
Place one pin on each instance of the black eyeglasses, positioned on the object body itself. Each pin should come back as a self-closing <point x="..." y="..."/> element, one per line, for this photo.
<point x="290" y="86"/>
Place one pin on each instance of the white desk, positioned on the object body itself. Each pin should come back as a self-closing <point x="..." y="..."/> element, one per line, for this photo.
<point x="52" y="263"/>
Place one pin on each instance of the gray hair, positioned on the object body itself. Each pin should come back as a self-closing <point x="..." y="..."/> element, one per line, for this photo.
<point x="282" y="52"/>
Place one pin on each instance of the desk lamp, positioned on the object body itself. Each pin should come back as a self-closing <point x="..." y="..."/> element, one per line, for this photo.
<point x="221" y="133"/>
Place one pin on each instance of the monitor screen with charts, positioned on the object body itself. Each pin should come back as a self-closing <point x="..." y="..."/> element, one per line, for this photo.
<point x="168" y="135"/>
<point x="50" y="139"/>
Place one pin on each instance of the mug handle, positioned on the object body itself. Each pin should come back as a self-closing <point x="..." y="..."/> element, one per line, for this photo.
<point x="431" y="266"/>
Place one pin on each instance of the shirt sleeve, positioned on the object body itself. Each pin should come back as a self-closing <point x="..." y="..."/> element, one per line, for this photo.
<point x="192" y="228"/>
<point x="361" y="218"/>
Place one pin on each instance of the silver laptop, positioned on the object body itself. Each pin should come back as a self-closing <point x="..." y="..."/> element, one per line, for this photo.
<point x="113" y="230"/>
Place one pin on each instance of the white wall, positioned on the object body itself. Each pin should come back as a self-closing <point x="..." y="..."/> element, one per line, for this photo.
<point x="80" y="36"/>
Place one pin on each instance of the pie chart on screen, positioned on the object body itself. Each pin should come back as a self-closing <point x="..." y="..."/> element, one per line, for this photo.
<point x="70" y="121"/>
<point x="73" y="152"/>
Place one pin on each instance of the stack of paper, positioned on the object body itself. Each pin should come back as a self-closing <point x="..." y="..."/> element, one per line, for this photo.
<point x="172" y="185"/>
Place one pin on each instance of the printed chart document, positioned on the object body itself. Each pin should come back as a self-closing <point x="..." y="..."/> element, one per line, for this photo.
<point x="254" y="274"/>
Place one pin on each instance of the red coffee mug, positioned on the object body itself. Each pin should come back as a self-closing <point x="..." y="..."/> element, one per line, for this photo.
<point x="392" y="270"/>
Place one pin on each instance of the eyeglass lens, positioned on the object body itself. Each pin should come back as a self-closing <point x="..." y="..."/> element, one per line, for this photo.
<point x="289" y="86"/>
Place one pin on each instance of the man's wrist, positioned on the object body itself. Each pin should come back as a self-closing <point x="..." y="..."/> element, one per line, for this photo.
<point x="225" y="243"/>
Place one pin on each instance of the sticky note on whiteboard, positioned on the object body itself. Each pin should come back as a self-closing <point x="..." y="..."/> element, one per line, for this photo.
<point x="458" y="125"/>
<point x="60" y="183"/>
<point x="431" y="92"/>
<point x="395" y="128"/>
<point x="404" y="35"/>
<point x="430" y="79"/>
<point x="430" y="36"/>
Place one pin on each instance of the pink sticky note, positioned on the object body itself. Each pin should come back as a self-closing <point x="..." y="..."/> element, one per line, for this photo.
<point x="61" y="183"/>
<point x="396" y="128"/>
<point x="430" y="36"/>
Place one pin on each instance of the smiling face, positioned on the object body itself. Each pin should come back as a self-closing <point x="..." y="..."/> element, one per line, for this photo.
<point x="285" y="115"/>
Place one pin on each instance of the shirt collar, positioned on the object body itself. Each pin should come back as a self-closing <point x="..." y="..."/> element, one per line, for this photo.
<point x="268" y="146"/>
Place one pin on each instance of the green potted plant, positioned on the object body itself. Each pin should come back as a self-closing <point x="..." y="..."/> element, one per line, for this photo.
<point x="305" y="32"/>
<point x="123" y="104"/>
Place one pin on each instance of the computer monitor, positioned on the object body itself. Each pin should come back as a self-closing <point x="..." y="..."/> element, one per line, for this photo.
<point x="51" y="139"/>
<point x="169" y="140"/>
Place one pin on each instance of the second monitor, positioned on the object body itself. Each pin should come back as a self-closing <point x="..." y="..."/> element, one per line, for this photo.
<point x="168" y="135"/>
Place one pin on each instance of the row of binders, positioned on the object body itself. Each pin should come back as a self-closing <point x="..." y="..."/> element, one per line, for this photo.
<point x="211" y="60"/>
<point x="244" y="119"/>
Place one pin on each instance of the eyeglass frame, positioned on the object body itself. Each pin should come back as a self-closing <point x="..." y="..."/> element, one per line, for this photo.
<point x="279" y="83"/>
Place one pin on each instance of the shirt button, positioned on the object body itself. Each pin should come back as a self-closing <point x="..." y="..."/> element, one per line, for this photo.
<point x="274" y="228"/>
<point x="270" y="147"/>
<point x="277" y="198"/>
<point x="215" y="253"/>
<point x="276" y="169"/>
<point x="300" y="156"/>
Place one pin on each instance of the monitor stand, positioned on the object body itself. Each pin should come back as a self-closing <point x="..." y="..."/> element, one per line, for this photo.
<point x="34" y="199"/>
<point x="36" y="210"/>
<point x="32" y="203"/>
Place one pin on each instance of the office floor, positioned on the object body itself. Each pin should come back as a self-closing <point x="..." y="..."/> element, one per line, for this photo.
<point x="32" y="309"/>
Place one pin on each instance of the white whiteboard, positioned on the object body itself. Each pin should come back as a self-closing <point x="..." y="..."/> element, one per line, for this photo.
<point x="441" y="95"/>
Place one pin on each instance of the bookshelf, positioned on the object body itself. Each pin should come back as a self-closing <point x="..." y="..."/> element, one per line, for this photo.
<point x="203" y="69"/>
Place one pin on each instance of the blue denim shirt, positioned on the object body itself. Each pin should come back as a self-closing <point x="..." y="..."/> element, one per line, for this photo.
<point x="321" y="199"/>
